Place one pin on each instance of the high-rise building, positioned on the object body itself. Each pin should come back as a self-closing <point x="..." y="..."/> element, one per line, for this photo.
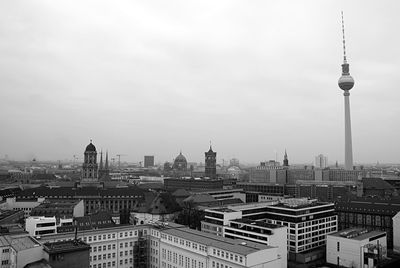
<point x="148" y="161"/>
<point x="346" y="82"/>
<point x="321" y="161"/>
<point x="211" y="163"/>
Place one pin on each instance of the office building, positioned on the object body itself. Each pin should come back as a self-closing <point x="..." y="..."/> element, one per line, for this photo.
<point x="260" y="232"/>
<point x="358" y="248"/>
<point x="60" y="208"/>
<point x="67" y="254"/>
<point x="24" y="204"/>
<point x="148" y="161"/>
<point x="164" y="245"/>
<point x="308" y="223"/>
<point x="368" y="213"/>
<point x="321" y="161"/>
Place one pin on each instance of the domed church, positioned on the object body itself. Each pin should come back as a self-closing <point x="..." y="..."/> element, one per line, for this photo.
<point x="180" y="163"/>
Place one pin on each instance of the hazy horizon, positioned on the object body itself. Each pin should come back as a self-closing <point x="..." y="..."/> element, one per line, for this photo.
<point x="158" y="77"/>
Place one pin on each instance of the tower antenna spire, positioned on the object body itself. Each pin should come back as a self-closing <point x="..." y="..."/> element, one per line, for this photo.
<point x="344" y="41"/>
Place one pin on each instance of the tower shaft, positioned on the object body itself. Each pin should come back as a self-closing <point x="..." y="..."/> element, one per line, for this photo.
<point x="348" y="146"/>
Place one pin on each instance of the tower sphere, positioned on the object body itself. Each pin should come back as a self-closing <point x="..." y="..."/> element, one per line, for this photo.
<point x="346" y="82"/>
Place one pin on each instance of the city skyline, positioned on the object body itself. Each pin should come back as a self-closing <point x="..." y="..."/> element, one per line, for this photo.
<point x="154" y="79"/>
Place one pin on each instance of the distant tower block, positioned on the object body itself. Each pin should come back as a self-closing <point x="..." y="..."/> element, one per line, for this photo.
<point x="148" y="161"/>
<point x="211" y="163"/>
<point x="346" y="82"/>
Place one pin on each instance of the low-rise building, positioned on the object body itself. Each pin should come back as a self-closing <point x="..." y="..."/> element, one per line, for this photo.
<point x="25" y="204"/>
<point x="67" y="254"/>
<point x="358" y="248"/>
<point x="166" y="245"/>
<point x="16" y="251"/>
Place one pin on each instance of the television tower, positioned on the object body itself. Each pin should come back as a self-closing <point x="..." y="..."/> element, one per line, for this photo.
<point x="346" y="82"/>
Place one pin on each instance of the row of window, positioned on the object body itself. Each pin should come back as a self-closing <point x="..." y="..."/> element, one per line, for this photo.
<point x="111" y="236"/>
<point x="227" y="255"/>
<point x="185" y="243"/>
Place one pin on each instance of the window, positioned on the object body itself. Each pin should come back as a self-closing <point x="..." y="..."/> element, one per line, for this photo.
<point x="4" y="262"/>
<point x="338" y="246"/>
<point x="6" y="250"/>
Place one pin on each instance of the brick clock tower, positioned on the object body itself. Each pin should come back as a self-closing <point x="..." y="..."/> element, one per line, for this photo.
<point x="211" y="164"/>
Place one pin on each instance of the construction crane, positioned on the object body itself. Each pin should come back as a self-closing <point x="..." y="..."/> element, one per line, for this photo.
<point x="119" y="161"/>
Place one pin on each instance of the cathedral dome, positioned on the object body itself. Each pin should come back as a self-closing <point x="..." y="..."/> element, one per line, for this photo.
<point x="90" y="148"/>
<point x="180" y="162"/>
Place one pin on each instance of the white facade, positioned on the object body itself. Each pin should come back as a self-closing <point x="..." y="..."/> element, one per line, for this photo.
<point x="396" y="232"/>
<point x="38" y="226"/>
<point x="170" y="246"/>
<point x="260" y="232"/>
<point x="356" y="248"/>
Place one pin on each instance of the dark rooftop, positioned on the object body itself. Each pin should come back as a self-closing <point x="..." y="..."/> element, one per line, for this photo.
<point x="65" y="246"/>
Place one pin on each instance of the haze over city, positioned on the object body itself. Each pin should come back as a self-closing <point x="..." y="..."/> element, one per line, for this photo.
<point x="163" y="76"/>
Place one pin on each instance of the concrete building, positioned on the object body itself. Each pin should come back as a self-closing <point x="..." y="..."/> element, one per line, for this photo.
<point x="16" y="251"/>
<point x="24" y="204"/>
<point x="358" y="248"/>
<point x="260" y="232"/>
<point x="148" y="161"/>
<point x="166" y="245"/>
<point x="396" y="232"/>
<point x="60" y="208"/>
<point x="67" y="254"/>
<point x="368" y="213"/>
<point x="38" y="226"/>
<point x="307" y="221"/>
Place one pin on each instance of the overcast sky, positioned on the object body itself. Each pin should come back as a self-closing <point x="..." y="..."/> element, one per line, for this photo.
<point x="157" y="77"/>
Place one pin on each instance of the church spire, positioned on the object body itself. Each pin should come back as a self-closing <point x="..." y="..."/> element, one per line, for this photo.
<point x="101" y="160"/>
<point x="106" y="164"/>
<point x="285" y="160"/>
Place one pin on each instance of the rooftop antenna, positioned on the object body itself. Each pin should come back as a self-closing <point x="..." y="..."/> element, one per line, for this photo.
<point x="344" y="42"/>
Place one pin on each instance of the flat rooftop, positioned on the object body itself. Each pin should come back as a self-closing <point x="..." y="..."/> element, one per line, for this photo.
<point x="357" y="234"/>
<point x="224" y="209"/>
<point x="7" y="213"/>
<point x="18" y="242"/>
<point x="239" y="246"/>
<point x="65" y="246"/>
